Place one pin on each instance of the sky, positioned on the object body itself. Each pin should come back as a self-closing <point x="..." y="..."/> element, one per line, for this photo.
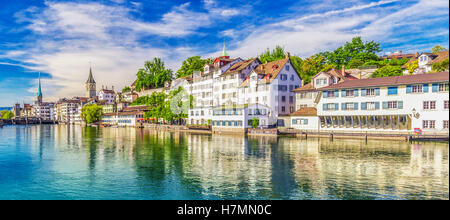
<point x="63" y="39"/>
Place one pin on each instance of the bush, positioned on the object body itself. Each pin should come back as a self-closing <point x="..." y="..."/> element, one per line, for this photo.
<point x="255" y="122"/>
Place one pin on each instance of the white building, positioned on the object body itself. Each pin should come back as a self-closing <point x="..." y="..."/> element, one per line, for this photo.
<point x="107" y="95"/>
<point x="389" y="104"/>
<point x="207" y="89"/>
<point x="308" y="95"/>
<point x="305" y="119"/>
<point x="44" y="111"/>
<point x="238" y="118"/>
<point x="425" y="61"/>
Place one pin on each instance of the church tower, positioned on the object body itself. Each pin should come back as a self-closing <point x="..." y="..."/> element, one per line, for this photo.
<point x="91" y="90"/>
<point x="39" y="93"/>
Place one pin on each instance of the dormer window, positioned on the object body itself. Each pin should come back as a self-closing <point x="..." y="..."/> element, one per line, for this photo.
<point x="274" y="67"/>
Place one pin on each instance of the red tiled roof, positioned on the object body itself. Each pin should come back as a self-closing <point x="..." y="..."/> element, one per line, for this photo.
<point x="272" y="68"/>
<point x="307" y="111"/>
<point x="391" y="81"/>
<point x="237" y="67"/>
<point x="440" y="57"/>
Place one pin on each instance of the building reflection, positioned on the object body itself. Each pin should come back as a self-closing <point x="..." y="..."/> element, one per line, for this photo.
<point x="173" y="165"/>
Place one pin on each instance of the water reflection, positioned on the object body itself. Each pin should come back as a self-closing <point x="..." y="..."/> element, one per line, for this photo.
<point x="73" y="162"/>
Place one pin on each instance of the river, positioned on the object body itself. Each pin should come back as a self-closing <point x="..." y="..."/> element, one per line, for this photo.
<point x="74" y="162"/>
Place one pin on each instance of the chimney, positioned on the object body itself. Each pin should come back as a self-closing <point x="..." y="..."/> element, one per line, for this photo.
<point x="103" y="87"/>
<point x="359" y="75"/>
<point x="343" y="70"/>
<point x="303" y="83"/>
<point x="113" y="88"/>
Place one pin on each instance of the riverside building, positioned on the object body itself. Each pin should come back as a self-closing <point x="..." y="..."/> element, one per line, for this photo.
<point x="390" y="104"/>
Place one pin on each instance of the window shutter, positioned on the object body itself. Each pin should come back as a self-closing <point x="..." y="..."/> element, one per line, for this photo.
<point x="343" y="93"/>
<point x="363" y="92"/>
<point x="356" y="106"/>
<point x="336" y="106"/>
<point x="363" y="105"/>
<point x="343" y="106"/>
<point x="408" y="89"/>
<point x="325" y="107"/>
<point x="425" y="88"/>
<point x="377" y="105"/>
<point x="377" y="91"/>
<point x="294" y="121"/>
<point x="337" y="93"/>
<point x="325" y="94"/>
<point x="435" y="87"/>
<point x="385" y="105"/>
<point x="400" y="105"/>
<point x="356" y="92"/>
<point x="305" y="121"/>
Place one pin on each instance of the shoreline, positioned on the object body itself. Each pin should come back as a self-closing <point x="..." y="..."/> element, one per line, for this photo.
<point x="298" y="134"/>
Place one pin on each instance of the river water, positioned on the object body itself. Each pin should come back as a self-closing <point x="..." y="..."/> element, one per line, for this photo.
<point x="74" y="162"/>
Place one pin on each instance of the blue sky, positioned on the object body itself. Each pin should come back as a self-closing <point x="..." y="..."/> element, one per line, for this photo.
<point x="60" y="38"/>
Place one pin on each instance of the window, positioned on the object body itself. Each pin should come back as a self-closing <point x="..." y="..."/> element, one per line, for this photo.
<point x="392" y="90"/>
<point x="371" y="106"/>
<point x="349" y="92"/>
<point x="429" y="105"/>
<point x="283" y="109"/>
<point x="283" y="98"/>
<point x="445" y="124"/>
<point x="291" y="99"/>
<point x="287" y="67"/>
<point x="443" y="87"/>
<point x="349" y="106"/>
<point x="370" y="92"/>
<point x="446" y="104"/>
<point x="429" y="124"/>
<point x="416" y="88"/>
<point x="331" y="94"/>
<point x="291" y="109"/>
<point x="392" y="105"/>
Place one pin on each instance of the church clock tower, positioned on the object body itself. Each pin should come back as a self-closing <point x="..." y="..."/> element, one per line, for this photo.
<point x="91" y="90"/>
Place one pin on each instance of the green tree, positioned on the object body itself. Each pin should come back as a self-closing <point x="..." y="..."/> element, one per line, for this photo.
<point x="126" y="89"/>
<point x="269" y="56"/>
<point x="157" y="105"/>
<point x="356" y="49"/>
<point x="412" y="66"/>
<point x="153" y="75"/>
<point x="192" y="64"/>
<point x="388" y="70"/>
<point x="438" y="48"/>
<point x="91" y="113"/>
<point x="5" y="114"/>
<point x="441" y="66"/>
<point x="313" y="65"/>
<point x="355" y="63"/>
<point x="255" y="122"/>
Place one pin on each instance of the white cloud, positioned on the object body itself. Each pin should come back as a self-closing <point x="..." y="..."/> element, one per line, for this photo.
<point x="305" y="35"/>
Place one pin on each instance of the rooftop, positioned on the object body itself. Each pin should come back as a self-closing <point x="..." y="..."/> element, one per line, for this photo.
<point x="391" y="81"/>
<point x="308" y="111"/>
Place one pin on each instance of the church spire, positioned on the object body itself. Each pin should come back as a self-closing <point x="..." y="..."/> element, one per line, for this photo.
<point x="39" y="93"/>
<point x="90" y="78"/>
<point x="224" y="51"/>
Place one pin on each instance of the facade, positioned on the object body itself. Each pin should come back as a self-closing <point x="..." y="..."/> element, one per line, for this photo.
<point x="44" y="111"/>
<point x="309" y="96"/>
<point x="305" y="119"/>
<point x="237" y="119"/>
<point x="107" y="95"/>
<point x="389" y="104"/>
<point x="123" y="119"/>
